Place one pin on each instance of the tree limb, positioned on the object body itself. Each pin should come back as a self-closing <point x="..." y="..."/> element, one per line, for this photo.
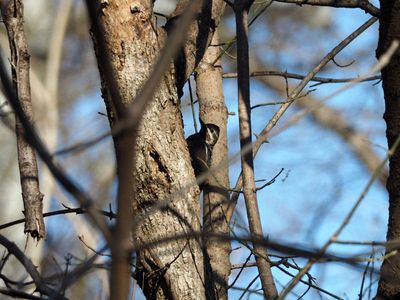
<point x="41" y="286"/>
<point x="365" y="5"/>
<point x="12" y="12"/>
<point x="241" y="8"/>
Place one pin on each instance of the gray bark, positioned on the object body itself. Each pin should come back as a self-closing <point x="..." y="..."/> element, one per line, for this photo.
<point x="12" y="13"/>
<point x="162" y="205"/>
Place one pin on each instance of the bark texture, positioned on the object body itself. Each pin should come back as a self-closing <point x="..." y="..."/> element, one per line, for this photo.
<point x="215" y="194"/>
<point x="12" y="13"/>
<point x="389" y="30"/>
<point x="162" y="170"/>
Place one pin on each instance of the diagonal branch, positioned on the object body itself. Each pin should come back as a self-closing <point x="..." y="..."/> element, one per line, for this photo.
<point x="41" y="286"/>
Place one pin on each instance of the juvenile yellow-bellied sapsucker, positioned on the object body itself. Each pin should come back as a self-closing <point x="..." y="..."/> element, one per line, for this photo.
<point x="201" y="145"/>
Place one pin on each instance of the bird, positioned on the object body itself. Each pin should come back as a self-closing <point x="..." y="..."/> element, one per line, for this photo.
<point x="201" y="146"/>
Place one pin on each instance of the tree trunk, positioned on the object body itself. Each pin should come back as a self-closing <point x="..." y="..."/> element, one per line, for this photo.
<point x="389" y="29"/>
<point x="162" y="204"/>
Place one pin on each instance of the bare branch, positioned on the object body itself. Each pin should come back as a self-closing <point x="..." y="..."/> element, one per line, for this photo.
<point x="301" y="77"/>
<point x="270" y="181"/>
<point x="365" y="5"/>
<point x="308" y="283"/>
<point x="18" y="294"/>
<point x="41" y="286"/>
<point x="247" y="289"/>
<point x="77" y="211"/>
<point x="241" y="13"/>
<point x="242" y="267"/>
<point x="12" y="13"/>
<point x="298" y="251"/>
<point x="360" y="294"/>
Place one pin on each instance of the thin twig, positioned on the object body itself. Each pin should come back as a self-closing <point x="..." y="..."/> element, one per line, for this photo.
<point x="364" y="5"/>
<point x="243" y="266"/>
<point x="192" y="106"/>
<point x="248" y="287"/>
<point x="41" y="286"/>
<point x="363" y="278"/>
<point x="310" y="284"/>
<point x="259" y="10"/>
<point x="19" y="294"/>
<point x="77" y="211"/>
<point x="82" y="239"/>
<point x="271" y="181"/>
<point x="301" y="77"/>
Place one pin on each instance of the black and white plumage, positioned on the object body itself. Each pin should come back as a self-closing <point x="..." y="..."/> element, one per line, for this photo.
<point x="201" y="145"/>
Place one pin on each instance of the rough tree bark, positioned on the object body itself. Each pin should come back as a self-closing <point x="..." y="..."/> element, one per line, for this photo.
<point x="216" y="195"/>
<point x="389" y="30"/>
<point x="133" y="43"/>
<point x="12" y="12"/>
